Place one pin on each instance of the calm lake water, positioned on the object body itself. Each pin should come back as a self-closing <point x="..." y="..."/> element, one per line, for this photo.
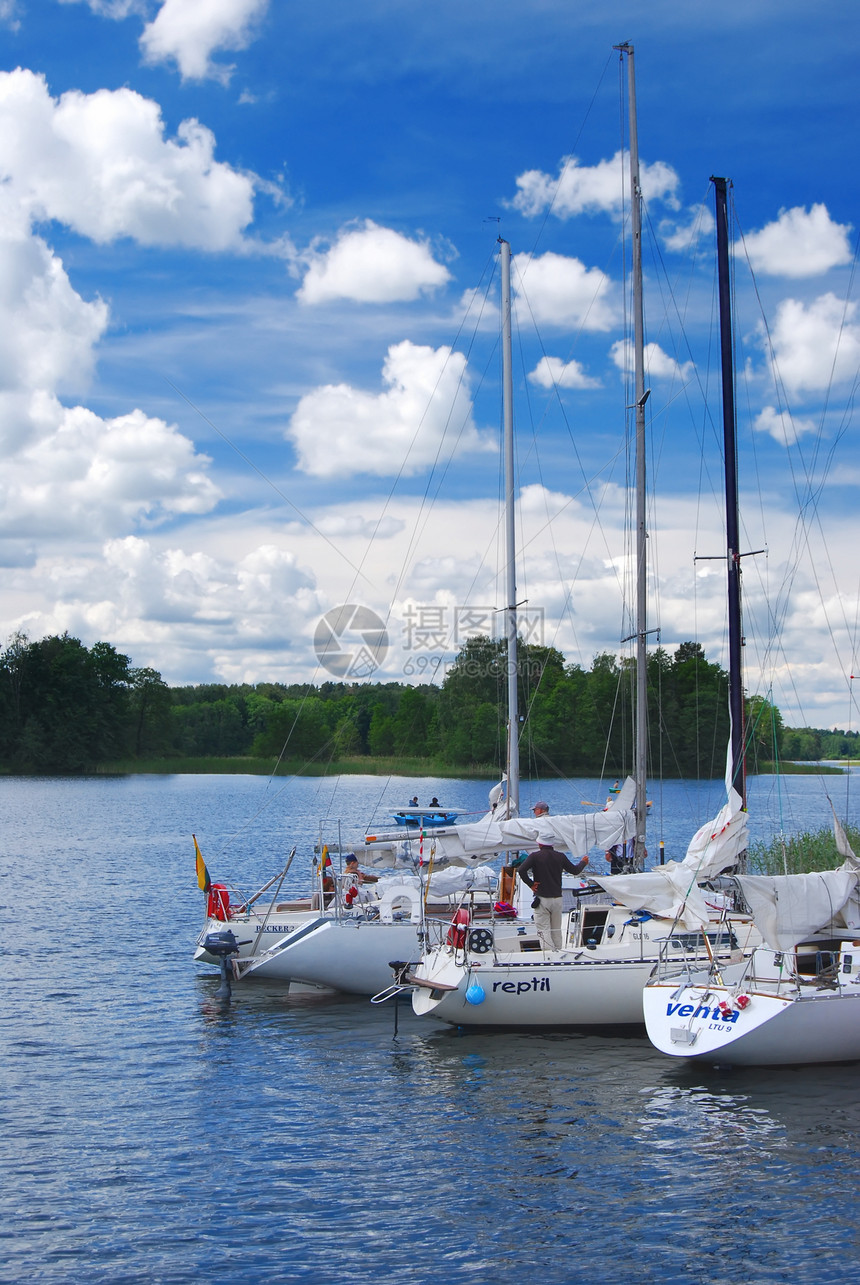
<point x="150" y="1134"/>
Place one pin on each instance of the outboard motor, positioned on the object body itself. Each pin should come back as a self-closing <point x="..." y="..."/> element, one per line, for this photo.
<point x="222" y="945"/>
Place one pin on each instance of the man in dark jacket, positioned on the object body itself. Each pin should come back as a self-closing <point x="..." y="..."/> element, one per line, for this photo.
<point x="542" y="871"/>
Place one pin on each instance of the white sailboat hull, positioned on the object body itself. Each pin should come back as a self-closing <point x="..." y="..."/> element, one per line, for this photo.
<point x="596" y="980"/>
<point x="350" y="955"/>
<point x="773" y="1030"/>
<point x="254" y="932"/>
<point x="555" y="991"/>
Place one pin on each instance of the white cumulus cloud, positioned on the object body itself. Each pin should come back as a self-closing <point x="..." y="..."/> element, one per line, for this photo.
<point x="562" y="292"/>
<point x="47" y="331"/>
<point x="658" y="364"/>
<point x="801" y="243"/>
<point x="86" y="476"/>
<point x="100" y="163"/>
<point x="815" y="344"/>
<point x="678" y="235"/>
<point x="781" y="426"/>
<point x="338" y="430"/>
<point x="552" y="372"/>
<point x="173" y="608"/>
<point x="188" y="32"/>
<point x="371" y="264"/>
<point x="116" y="9"/>
<point x="342" y="524"/>
<point x="591" y="189"/>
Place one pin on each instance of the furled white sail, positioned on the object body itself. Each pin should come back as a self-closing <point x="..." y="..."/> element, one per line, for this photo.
<point x="672" y="890"/>
<point x="843" y="847"/>
<point x="576" y="833"/>
<point x="717" y="845"/>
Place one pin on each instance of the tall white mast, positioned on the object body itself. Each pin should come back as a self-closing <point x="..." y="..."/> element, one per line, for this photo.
<point x="640" y="398"/>
<point x="513" y="791"/>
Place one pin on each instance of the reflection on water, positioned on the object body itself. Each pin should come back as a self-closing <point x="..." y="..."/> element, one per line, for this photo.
<point x="150" y="1132"/>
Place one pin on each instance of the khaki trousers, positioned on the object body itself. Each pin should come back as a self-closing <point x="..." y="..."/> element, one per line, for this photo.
<point x="548" y="922"/>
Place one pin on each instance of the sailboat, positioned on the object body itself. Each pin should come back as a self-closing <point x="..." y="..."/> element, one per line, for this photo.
<point x="257" y="933"/>
<point x="796" y="998"/>
<point x="349" y="943"/>
<point x="610" y="945"/>
<point x="351" y="950"/>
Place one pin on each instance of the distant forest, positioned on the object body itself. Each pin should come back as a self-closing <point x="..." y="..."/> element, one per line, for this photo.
<point x="71" y="709"/>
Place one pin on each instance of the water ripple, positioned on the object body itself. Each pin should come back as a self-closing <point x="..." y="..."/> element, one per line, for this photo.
<point x="151" y="1134"/>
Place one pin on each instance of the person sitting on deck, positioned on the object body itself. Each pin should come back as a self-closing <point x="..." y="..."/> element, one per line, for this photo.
<point x="353" y="878"/>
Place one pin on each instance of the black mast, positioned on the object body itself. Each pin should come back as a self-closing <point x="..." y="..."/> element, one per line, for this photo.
<point x="737" y="773"/>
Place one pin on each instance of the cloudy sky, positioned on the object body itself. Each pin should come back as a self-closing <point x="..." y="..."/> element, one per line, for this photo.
<point x="248" y="342"/>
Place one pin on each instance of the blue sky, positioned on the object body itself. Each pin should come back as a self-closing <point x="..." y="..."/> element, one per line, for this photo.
<point x="244" y="249"/>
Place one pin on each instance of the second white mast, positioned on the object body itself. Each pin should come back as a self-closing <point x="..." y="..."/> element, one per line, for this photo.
<point x="513" y="755"/>
<point x="640" y="398"/>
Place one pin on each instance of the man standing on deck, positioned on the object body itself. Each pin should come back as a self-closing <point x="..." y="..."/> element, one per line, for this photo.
<point x="542" y="871"/>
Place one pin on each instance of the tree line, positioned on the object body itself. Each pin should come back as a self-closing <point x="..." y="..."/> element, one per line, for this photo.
<point x="65" y="707"/>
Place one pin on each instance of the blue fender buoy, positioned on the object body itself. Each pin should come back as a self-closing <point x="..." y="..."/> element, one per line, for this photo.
<point x="475" y="994"/>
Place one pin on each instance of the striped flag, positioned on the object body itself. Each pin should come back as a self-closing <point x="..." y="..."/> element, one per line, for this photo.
<point x="203" y="879"/>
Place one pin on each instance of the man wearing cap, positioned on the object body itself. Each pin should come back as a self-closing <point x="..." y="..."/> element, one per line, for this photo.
<point x="542" y="871"/>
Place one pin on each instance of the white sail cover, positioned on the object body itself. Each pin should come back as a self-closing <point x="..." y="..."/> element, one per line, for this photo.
<point x="576" y="833"/>
<point x="672" y="890"/>
<point x="789" y="908"/>
<point x="444" y="883"/>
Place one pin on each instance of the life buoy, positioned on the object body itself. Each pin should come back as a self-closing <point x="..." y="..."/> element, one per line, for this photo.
<point x="218" y="905"/>
<point x="457" y="931"/>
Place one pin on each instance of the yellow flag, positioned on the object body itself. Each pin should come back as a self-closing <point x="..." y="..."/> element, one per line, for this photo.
<point x="203" y="879"/>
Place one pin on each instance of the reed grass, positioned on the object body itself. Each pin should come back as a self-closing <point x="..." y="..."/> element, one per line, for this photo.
<point x="787" y="768"/>
<point x="800" y="854"/>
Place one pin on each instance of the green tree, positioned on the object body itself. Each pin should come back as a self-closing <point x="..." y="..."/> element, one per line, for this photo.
<point x="149" y="705"/>
<point x="298" y="729"/>
<point x="381" y="734"/>
<point x="68" y="705"/>
<point x="763" y="732"/>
